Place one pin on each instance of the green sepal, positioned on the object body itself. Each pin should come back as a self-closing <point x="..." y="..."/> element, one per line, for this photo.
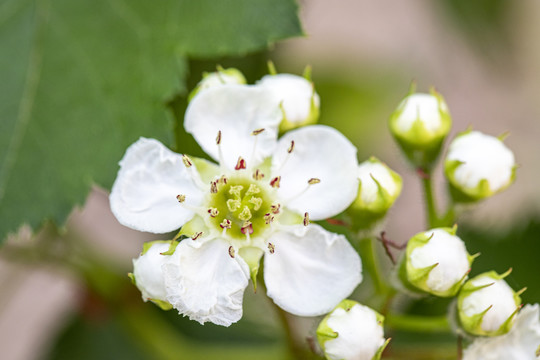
<point x="193" y="226"/>
<point x="163" y="305"/>
<point x="148" y="245"/>
<point x="252" y="257"/>
<point x="207" y="170"/>
<point x="421" y="146"/>
<point x="324" y="331"/>
<point x="416" y="278"/>
<point x="271" y="67"/>
<point x="132" y="278"/>
<point x="365" y="216"/>
<point x="307" y="73"/>
<point x="473" y="324"/>
<point x="379" y="352"/>
<point x="172" y="248"/>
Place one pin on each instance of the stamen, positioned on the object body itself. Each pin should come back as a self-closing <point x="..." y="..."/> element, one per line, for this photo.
<point x="275" y="208"/>
<point x="181" y="198"/>
<point x="275" y="182"/>
<point x="257" y="132"/>
<point x="240" y="164"/>
<point x="258" y="175"/>
<point x="233" y="205"/>
<point x="257" y="202"/>
<point x="271" y="248"/>
<point x="247" y="228"/>
<point x="231" y="252"/>
<point x="268" y="218"/>
<point x="213" y="187"/>
<point x="225" y="224"/>
<point x="220" y="153"/>
<point x="291" y="147"/>
<point x="187" y="161"/>
<point x="213" y="212"/>
<point x="314" y="181"/>
<point x="196" y="235"/>
<point x="245" y="214"/>
<point x="222" y="180"/>
<point x="306" y="219"/>
<point x="218" y="138"/>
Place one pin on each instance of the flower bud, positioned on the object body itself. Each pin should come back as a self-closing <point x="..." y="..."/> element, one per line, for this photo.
<point x="219" y="77"/>
<point x="147" y="274"/>
<point x="352" y="332"/>
<point x="478" y="166"/>
<point x="298" y="99"/>
<point x="436" y="262"/>
<point x="420" y="124"/>
<point x="378" y="189"/>
<point x="487" y="305"/>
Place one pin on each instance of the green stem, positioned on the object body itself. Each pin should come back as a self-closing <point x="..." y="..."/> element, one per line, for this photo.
<point x="414" y="323"/>
<point x="371" y="264"/>
<point x="429" y="197"/>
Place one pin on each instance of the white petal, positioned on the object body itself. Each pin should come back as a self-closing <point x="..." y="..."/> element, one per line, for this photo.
<point x="499" y="296"/>
<point x="311" y="270"/>
<point x="319" y="152"/>
<point x="147" y="271"/>
<point x="294" y="92"/>
<point x="483" y="157"/>
<point x="205" y="283"/>
<point x="446" y="250"/>
<point x="236" y="111"/>
<point x="359" y="334"/>
<point x="144" y="193"/>
<point x="520" y="343"/>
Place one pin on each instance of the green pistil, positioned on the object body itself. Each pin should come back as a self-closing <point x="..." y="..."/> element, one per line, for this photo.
<point x="240" y="200"/>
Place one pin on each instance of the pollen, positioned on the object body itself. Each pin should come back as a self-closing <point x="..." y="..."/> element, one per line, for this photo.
<point x="275" y="208"/>
<point x="271" y="248"/>
<point x="181" y="198"/>
<point x="258" y="175"/>
<point x="268" y="218"/>
<point x="314" y="181"/>
<point x="306" y="219"/>
<point x="247" y="228"/>
<point x="275" y="182"/>
<point x="291" y="147"/>
<point x="213" y="187"/>
<point x="231" y="252"/>
<point x="187" y="161"/>
<point x="218" y="137"/>
<point x="257" y="132"/>
<point x="225" y="224"/>
<point x="196" y="235"/>
<point x="240" y="164"/>
<point x="213" y="212"/>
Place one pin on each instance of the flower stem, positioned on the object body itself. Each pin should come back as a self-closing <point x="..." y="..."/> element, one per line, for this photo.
<point x="371" y="264"/>
<point x="432" y="219"/>
<point x="415" y="323"/>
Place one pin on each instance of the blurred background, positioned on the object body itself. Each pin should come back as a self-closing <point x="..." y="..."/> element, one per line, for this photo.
<point x="482" y="56"/>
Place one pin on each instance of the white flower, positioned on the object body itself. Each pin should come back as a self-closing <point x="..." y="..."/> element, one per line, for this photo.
<point x="256" y="201"/>
<point x="148" y="275"/>
<point x="352" y="332"/>
<point x="299" y="101"/>
<point x="479" y="165"/>
<point x="487" y="305"/>
<point x="521" y="343"/>
<point x="420" y="124"/>
<point x="437" y="262"/>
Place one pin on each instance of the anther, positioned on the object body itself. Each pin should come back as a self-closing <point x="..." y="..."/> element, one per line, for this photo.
<point x="257" y="132"/>
<point x="275" y="208"/>
<point x="275" y="182"/>
<point x="225" y="224"/>
<point x="222" y="180"/>
<point x="196" y="235"/>
<point x="240" y="164"/>
<point x="314" y="181"/>
<point x="213" y="212"/>
<point x="213" y="187"/>
<point x="231" y="252"/>
<point x="291" y="147"/>
<point x="271" y="248"/>
<point x="247" y="228"/>
<point x="306" y="219"/>
<point x="268" y="218"/>
<point x="218" y="137"/>
<point x="181" y="198"/>
<point x="187" y="161"/>
<point x="258" y="175"/>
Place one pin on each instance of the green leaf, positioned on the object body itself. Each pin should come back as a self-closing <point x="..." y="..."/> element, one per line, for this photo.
<point x="81" y="80"/>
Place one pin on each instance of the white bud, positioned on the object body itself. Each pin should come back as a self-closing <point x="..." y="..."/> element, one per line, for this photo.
<point x="299" y="101"/>
<point x="217" y="78"/>
<point x="521" y="342"/>
<point x="352" y="332"/>
<point x="148" y="275"/>
<point x="437" y="262"/>
<point x="478" y="166"/>
<point x="487" y="305"/>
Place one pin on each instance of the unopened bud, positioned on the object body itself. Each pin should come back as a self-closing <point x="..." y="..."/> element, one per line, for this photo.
<point x="217" y="78"/>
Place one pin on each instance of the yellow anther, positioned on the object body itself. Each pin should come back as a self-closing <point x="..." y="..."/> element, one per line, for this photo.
<point x="257" y="132"/>
<point x="181" y="198"/>
<point x="187" y="161"/>
<point x="213" y="187"/>
<point x="314" y="181"/>
<point x="225" y="224"/>
<point x="275" y="208"/>
<point x="275" y="182"/>
<point x="213" y="212"/>
<point x="231" y="252"/>
<point x="258" y="175"/>
<point x="268" y="218"/>
<point x="218" y="137"/>
<point x="306" y="219"/>
<point x="271" y="248"/>
<point x="291" y="147"/>
<point x="196" y="235"/>
<point x="240" y="164"/>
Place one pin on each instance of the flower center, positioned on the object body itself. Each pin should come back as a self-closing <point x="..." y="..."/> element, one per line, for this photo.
<point x="241" y="206"/>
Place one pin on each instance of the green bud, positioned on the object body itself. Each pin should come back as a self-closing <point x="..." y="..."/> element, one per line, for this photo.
<point x="419" y="125"/>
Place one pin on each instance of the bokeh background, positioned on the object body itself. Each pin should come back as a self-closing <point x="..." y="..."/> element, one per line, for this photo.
<point x="482" y="56"/>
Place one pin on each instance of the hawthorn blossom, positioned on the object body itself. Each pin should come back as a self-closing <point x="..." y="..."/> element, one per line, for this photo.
<point x="257" y="200"/>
